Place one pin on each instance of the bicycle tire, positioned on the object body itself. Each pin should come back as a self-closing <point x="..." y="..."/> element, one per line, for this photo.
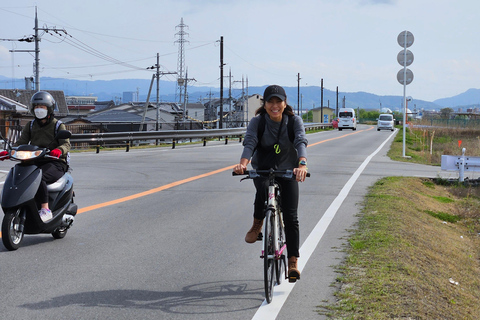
<point x="280" y="262"/>
<point x="269" y="256"/>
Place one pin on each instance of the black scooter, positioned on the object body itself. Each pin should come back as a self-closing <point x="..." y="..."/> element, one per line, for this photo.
<point x="18" y="198"/>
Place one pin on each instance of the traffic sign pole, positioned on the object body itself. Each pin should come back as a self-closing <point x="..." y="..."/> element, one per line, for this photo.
<point x="405" y="39"/>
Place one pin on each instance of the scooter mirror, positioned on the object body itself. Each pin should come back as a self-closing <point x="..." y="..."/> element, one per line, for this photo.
<point x="63" y="134"/>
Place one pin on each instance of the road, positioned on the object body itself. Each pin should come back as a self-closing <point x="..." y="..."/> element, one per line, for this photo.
<point x="160" y="235"/>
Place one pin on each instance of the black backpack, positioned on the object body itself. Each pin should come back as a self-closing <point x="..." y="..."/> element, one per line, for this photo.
<point x="261" y="128"/>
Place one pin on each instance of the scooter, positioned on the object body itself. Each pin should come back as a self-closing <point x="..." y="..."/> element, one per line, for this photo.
<point x="18" y="197"/>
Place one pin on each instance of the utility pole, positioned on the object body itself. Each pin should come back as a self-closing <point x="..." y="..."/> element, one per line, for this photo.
<point x="230" y="89"/>
<point x="298" y="94"/>
<point x="220" y="124"/>
<point x="321" y="101"/>
<point x="157" y="76"/>
<point x="185" y="96"/>
<point x="246" y="80"/>
<point x="37" y="48"/>
<point x="337" y="102"/>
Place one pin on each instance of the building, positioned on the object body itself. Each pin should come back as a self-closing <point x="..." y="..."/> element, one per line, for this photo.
<point x="23" y="97"/>
<point x="328" y="115"/>
<point x="80" y="105"/>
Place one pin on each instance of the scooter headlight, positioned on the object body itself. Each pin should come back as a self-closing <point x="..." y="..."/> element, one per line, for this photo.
<point x="25" y="155"/>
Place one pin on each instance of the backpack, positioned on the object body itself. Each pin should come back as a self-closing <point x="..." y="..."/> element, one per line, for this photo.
<point x="55" y="131"/>
<point x="57" y="125"/>
<point x="261" y="128"/>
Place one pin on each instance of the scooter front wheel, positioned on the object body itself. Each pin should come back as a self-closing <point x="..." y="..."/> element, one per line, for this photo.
<point x="12" y="228"/>
<point x="60" y="233"/>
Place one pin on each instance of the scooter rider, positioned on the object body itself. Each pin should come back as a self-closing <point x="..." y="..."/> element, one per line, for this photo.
<point x="41" y="132"/>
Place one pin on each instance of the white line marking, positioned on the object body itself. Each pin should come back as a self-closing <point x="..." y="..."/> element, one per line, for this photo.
<point x="280" y="294"/>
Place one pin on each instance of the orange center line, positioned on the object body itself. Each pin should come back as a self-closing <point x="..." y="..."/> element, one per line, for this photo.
<point x="180" y="182"/>
<point x="340" y="137"/>
<point x="151" y="191"/>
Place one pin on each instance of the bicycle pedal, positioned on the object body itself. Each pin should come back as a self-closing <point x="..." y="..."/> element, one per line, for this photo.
<point x="292" y="279"/>
<point x="260" y="237"/>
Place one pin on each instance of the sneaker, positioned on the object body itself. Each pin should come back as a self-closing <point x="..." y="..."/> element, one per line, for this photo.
<point x="45" y="214"/>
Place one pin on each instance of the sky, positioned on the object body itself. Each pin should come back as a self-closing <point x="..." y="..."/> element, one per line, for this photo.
<point x="350" y="44"/>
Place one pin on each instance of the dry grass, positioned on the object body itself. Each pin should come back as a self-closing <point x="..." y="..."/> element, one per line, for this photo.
<point x="405" y="260"/>
<point x="427" y="145"/>
<point x="415" y="254"/>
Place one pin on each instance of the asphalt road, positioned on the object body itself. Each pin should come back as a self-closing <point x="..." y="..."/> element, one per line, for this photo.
<point x="160" y="235"/>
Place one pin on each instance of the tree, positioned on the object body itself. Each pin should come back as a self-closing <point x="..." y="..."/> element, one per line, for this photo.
<point x="445" y="113"/>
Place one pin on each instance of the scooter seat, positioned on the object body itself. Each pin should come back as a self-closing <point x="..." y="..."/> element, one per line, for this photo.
<point x="57" y="185"/>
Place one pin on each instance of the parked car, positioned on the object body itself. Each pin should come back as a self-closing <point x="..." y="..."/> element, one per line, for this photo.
<point x="347" y="119"/>
<point x="385" y="122"/>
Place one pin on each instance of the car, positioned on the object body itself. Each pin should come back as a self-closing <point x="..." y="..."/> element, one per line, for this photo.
<point x="347" y="119"/>
<point x="385" y="122"/>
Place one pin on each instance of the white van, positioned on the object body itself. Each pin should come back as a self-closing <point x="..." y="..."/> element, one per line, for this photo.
<point x="347" y="119"/>
<point x="385" y="122"/>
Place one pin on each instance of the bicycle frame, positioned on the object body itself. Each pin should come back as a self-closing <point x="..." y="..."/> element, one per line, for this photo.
<point x="272" y="204"/>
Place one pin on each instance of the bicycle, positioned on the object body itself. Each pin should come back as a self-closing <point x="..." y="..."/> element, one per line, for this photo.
<point x="274" y="242"/>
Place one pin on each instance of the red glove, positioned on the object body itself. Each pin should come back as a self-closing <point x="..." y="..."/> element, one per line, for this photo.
<point x="4" y="155"/>
<point x="56" y="153"/>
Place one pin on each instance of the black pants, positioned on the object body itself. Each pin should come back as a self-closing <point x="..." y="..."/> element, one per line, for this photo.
<point x="51" y="172"/>
<point x="289" y="198"/>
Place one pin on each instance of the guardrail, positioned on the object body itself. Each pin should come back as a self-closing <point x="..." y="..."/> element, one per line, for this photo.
<point x="127" y="138"/>
<point x="461" y="164"/>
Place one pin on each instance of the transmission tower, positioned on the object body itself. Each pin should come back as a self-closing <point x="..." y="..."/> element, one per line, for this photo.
<point x="181" y="58"/>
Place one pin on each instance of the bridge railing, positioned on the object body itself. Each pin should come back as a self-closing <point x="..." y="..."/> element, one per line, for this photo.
<point x="100" y="139"/>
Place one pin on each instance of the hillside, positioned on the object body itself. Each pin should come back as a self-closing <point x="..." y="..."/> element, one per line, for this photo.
<point x="468" y="98"/>
<point x="113" y="90"/>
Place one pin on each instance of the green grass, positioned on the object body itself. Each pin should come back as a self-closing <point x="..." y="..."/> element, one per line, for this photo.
<point x="414" y="235"/>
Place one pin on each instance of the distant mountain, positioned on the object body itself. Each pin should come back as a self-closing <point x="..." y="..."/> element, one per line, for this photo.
<point x="310" y="96"/>
<point x="468" y="98"/>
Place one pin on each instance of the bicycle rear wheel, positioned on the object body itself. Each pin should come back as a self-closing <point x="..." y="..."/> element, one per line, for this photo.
<point x="269" y="255"/>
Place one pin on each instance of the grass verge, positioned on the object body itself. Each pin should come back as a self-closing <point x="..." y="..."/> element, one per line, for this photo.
<point x="415" y="252"/>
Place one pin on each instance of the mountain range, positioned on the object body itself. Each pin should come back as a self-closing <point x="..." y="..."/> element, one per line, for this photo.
<point x="107" y="90"/>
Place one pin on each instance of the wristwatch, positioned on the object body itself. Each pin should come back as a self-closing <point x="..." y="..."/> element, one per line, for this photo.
<point x="302" y="163"/>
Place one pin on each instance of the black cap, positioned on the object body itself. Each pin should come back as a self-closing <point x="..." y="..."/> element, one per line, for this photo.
<point x="274" y="91"/>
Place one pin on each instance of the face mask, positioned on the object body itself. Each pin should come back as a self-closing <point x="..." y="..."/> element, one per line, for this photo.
<point x="41" y="113"/>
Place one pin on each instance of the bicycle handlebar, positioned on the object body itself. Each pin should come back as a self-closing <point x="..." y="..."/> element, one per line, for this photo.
<point x="252" y="174"/>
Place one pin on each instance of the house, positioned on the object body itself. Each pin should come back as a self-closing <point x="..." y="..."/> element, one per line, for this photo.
<point x="80" y="105"/>
<point x="133" y="116"/>
<point x="23" y="97"/>
<point x="14" y="109"/>
<point x="328" y="115"/>
<point x="236" y="115"/>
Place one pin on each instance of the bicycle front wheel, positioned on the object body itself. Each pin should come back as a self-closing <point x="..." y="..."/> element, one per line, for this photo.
<point x="269" y="255"/>
<point x="280" y="261"/>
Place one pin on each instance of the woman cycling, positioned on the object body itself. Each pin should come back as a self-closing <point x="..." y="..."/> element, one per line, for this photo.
<point x="271" y="142"/>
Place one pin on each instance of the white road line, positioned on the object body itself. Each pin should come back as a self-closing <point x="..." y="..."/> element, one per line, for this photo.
<point x="270" y="311"/>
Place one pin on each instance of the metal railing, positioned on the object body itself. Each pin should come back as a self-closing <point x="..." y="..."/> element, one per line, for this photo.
<point x="127" y="139"/>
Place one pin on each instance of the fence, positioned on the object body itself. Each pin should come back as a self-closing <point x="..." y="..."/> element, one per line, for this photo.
<point x="98" y="135"/>
<point x="449" y="123"/>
